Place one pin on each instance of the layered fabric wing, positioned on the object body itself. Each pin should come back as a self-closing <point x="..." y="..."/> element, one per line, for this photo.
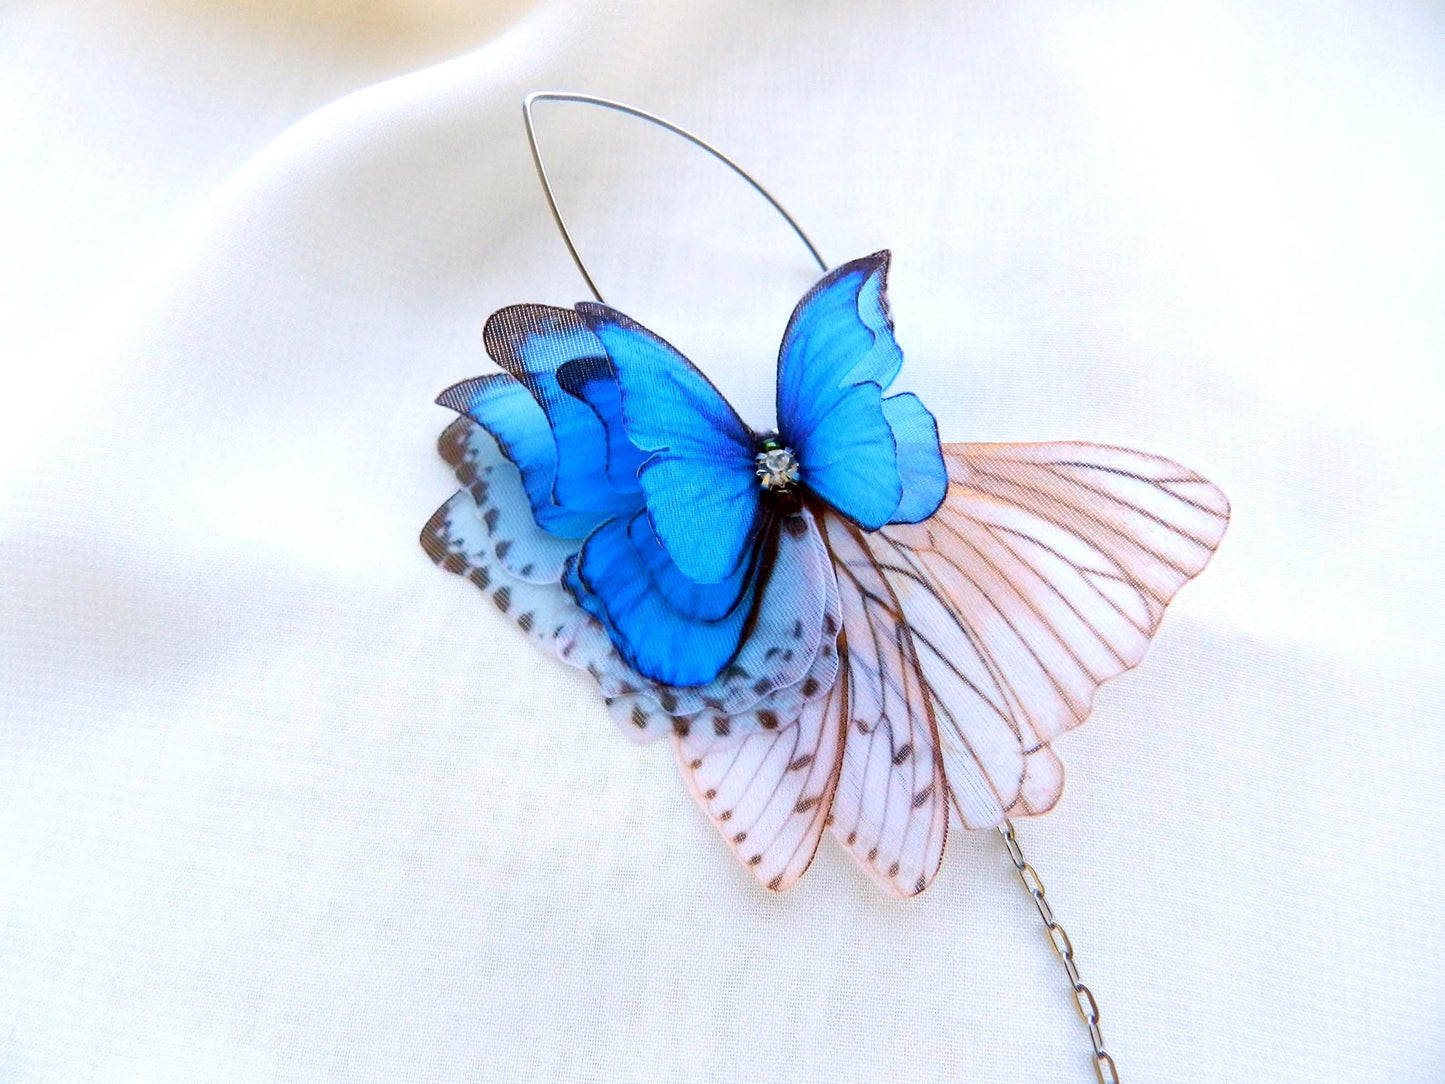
<point x="484" y="533"/>
<point x="840" y="336"/>
<point x="921" y="471"/>
<point x="665" y="626"/>
<point x="565" y="368"/>
<point x="891" y="808"/>
<point x="1044" y="573"/>
<point x="510" y="534"/>
<point x="563" y="439"/>
<point x="698" y="476"/>
<point x="873" y="459"/>
<point x="1155" y="521"/>
<point x="788" y="655"/>
<point x="508" y="412"/>
<point x="769" y="790"/>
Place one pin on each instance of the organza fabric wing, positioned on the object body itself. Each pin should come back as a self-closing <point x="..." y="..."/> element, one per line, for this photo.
<point x="874" y="459"/>
<point x="1156" y="522"/>
<point x="788" y="655"/>
<point x="768" y="789"/>
<point x="576" y="470"/>
<point x="666" y="626"/>
<point x="1045" y="572"/>
<point x="891" y="808"/>
<point x="698" y="473"/>
<point x="486" y="533"/>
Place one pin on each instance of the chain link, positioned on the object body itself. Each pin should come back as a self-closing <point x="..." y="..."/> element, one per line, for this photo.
<point x="1088" y="1007"/>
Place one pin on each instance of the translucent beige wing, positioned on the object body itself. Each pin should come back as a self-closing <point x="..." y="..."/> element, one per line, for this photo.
<point x="1045" y="572"/>
<point x="769" y="788"/>
<point x="891" y="808"/>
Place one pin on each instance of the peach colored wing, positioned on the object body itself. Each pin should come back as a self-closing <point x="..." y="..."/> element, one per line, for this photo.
<point x="891" y="808"/>
<point x="1045" y="572"/>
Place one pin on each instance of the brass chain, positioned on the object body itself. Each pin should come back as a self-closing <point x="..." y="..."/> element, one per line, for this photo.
<point x="1088" y="1007"/>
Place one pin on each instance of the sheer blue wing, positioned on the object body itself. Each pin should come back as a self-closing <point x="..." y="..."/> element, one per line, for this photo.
<point x="574" y="476"/>
<point x="594" y="381"/>
<point x="660" y="576"/>
<point x="840" y="335"/>
<point x="505" y="409"/>
<point x="535" y="343"/>
<point x="787" y="657"/>
<point x="850" y="459"/>
<point x="875" y="460"/>
<point x="699" y="478"/>
<point x="617" y="581"/>
<point x="921" y="469"/>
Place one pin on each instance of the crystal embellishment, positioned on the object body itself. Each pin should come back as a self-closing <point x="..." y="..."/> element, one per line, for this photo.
<point x="777" y="467"/>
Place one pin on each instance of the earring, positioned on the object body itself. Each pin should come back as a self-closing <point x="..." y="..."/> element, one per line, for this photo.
<point x="843" y="624"/>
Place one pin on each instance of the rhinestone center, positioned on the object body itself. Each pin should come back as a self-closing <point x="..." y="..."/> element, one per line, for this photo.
<point x="777" y="467"/>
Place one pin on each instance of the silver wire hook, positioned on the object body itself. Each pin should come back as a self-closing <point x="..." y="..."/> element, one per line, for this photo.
<point x="606" y="103"/>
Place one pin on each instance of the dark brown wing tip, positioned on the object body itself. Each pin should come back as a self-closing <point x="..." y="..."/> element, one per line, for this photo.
<point x="452" y="443"/>
<point x="436" y="542"/>
<point x="434" y="535"/>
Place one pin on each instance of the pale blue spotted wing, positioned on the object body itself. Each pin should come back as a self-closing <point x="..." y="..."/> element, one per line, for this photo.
<point x="508" y="532"/>
<point x="790" y="653"/>
<point x="482" y="533"/>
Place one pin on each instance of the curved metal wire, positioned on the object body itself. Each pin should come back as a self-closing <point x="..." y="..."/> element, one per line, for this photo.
<point x="606" y="103"/>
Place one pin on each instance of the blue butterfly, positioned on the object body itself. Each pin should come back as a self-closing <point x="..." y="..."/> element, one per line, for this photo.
<point x="844" y="624"/>
<point x="624" y="444"/>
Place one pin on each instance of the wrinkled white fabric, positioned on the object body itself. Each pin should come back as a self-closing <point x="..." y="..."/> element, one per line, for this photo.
<point x="279" y="800"/>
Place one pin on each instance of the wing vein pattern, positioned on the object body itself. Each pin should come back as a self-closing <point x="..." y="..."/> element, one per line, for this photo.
<point x="978" y="636"/>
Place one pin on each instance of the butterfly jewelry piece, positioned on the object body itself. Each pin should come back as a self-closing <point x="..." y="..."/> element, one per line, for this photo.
<point x="843" y="626"/>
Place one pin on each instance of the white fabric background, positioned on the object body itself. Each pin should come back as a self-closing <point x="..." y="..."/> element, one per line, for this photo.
<point x="281" y="801"/>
